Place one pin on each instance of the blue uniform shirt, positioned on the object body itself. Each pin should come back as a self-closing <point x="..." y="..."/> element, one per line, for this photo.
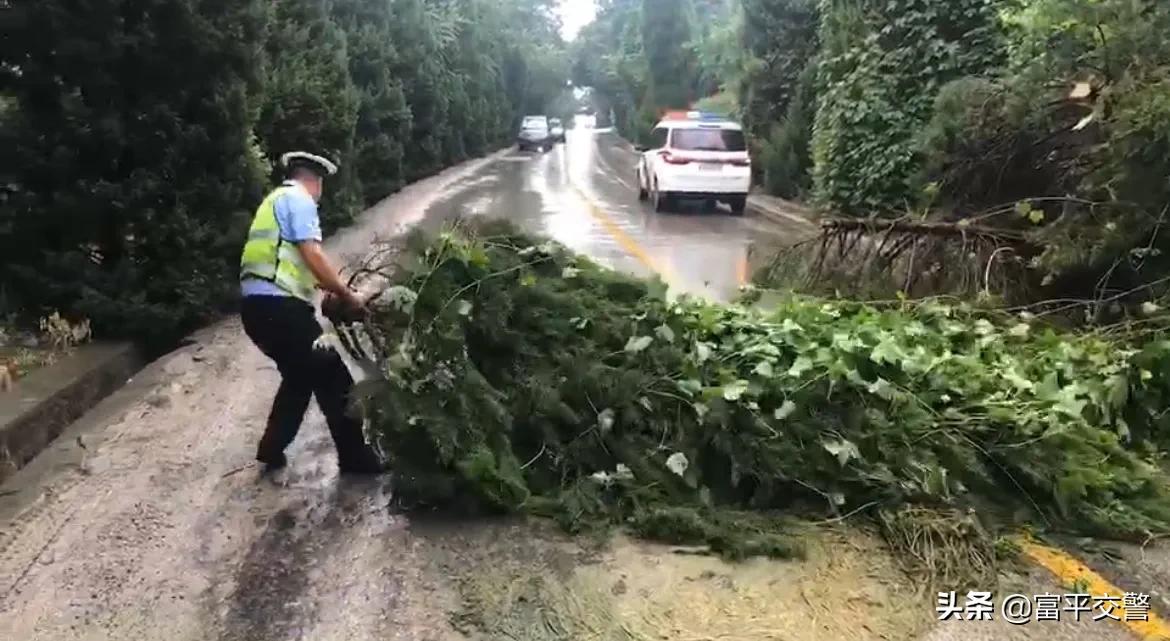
<point x="296" y="216"/>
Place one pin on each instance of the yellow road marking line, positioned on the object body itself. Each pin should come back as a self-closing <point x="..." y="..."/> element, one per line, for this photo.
<point x="631" y="246"/>
<point x="1070" y="572"/>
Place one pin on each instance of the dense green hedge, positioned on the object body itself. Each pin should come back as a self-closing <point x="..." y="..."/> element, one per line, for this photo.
<point x="882" y="64"/>
<point x="128" y="156"/>
<point x="781" y="37"/>
<point x="138" y="142"/>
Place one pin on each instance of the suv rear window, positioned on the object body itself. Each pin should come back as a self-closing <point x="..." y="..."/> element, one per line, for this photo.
<point x="658" y="138"/>
<point x="708" y="140"/>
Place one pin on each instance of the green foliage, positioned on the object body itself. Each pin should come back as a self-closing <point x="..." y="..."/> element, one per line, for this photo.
<point x="1135" y="163"/>
<point x="786" y="153"/>
<point x="666" y="30"/>
<point x="1103" y="39"/>
<point x="522" y="377"/>
<point x="140" y="140"/>
<point x="720" y="103"/>
<point x="781" y="38"/>
<point x="608" y="57"/>
<point x="423" y="33"/>
<point x="988" y="143"/>
<point x="1078" y="120"/>
<point x="719" y="55"/>
<point x="310" y="102"/>
<point x="384" y="117"/>
<point x="1021" y="136"/>
<point x="881" y="67"/>
<point x="130" y="159"/>
<point x="641" y="57"/>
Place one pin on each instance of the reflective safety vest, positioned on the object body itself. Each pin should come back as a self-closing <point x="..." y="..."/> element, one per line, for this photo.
<point x="269" y="257"/>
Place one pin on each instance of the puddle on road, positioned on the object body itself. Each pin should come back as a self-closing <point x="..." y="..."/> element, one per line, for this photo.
<point x="527" y="581"/>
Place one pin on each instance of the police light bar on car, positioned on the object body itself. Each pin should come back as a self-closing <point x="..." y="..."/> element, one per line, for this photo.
<point x="694" y="115"/>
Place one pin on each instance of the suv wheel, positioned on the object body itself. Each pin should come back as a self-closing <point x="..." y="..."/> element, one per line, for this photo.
<point x="642" y="193"/>
<point x="662" y="201"/>
<point x="738" y="205"/>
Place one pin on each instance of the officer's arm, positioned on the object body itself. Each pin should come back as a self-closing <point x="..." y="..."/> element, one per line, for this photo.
<point x="327" y="275"/>
<point x="305" y="231"/>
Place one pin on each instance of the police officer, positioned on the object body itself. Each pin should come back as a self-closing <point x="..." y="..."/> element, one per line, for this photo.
<point x="282" y="266"/>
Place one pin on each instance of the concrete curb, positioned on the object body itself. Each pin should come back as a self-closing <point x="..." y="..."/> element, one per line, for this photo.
<point x="764" y="209"/>
<point x="45" y="402"/>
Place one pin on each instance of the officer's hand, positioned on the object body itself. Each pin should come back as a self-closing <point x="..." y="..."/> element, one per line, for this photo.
<point x="353" y="300"/>
<point x="343" y="308"/>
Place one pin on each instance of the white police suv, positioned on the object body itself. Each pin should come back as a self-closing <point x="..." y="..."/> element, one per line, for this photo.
<point x="695" y="154"/>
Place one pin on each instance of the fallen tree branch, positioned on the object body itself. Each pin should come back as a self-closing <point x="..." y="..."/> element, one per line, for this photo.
<point x="873" y="226"/>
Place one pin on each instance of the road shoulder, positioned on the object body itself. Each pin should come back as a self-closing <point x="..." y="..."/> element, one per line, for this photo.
<point x="40" y="406"/>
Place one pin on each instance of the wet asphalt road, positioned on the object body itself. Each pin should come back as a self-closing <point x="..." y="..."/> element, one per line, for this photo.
<point x="148" y="521"/>
<point x="582" y="194"/>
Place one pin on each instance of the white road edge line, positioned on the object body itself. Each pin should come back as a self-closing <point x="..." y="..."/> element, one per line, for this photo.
<point x="607" y="167"/>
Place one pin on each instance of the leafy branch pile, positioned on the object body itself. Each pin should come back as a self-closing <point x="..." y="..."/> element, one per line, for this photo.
<point x="520" y="376"/>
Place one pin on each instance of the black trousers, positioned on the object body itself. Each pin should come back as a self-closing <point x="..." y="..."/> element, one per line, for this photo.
<point x="284" y="328"/>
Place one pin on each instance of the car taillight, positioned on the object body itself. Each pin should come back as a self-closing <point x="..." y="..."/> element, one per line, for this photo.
<point x="672" y="159"/>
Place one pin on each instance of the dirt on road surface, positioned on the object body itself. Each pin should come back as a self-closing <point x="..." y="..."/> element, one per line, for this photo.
<point x="149" y="521"/>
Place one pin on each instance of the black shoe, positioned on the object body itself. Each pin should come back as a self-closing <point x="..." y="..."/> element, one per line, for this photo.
<point x="272" y="462"/>
<point x="366" y="464"/>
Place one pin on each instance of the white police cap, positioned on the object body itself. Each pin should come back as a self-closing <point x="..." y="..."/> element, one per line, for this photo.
<point x="326" y="167"/>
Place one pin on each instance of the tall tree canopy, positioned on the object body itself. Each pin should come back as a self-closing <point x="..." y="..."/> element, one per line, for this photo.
<point x="781" y="38"/>
<point x="608" y="57"/>
<point x="666" y="31"/>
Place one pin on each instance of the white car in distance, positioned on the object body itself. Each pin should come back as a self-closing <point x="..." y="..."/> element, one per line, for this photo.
<point x="695" y="155"/>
